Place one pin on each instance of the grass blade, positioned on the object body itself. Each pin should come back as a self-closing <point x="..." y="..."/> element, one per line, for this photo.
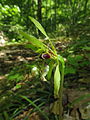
<point x="34" y="105"/>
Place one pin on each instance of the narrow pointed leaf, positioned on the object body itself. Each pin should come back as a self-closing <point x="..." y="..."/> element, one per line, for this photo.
<point x="56" y="81"/>
<point x="38" y="25"/>
<point x="33" y="40"/>
<point x="82" y="99"/>
<point x="37" y="107"/>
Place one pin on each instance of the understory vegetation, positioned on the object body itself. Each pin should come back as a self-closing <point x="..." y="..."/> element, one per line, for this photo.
<point x="45" y="60"/>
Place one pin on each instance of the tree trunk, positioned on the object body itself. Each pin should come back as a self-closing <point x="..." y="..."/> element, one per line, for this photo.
<point x="39" y="12"/>
<point x="85" y="6"/>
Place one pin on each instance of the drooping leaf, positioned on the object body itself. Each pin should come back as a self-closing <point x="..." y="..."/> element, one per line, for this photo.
<point x="38" y="25"/>
<point x="33" y="40"/>
<point x="61" y="60"/>
<point x="57" y="80"/>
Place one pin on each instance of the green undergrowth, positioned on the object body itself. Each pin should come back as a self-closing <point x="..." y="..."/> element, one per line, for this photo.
<point x="23" y="81"/>
<point x="26" y="86"/>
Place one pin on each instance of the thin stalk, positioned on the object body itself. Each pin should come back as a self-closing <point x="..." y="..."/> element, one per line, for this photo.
<point x="52" y="47"/>
<point x="61" y="95"/>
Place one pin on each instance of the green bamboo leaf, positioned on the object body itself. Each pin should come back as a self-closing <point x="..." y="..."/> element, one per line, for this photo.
<point x="33" y="40"/>
<point x="38" y="25"/>
<point x="57" y="79"/>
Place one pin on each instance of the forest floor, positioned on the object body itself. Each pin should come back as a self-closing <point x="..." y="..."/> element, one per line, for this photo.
<point x="77" y="87"/>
